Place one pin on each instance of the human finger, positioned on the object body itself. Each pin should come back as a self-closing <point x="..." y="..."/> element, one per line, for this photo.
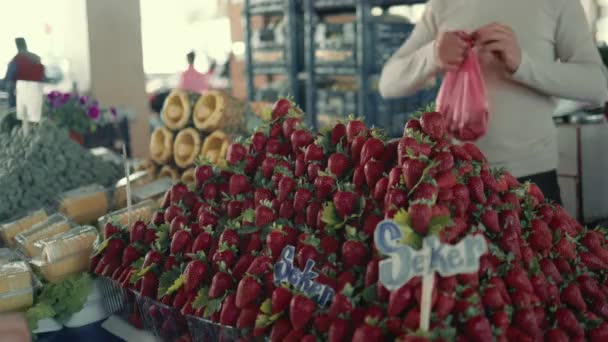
<point x="492" y="37"/>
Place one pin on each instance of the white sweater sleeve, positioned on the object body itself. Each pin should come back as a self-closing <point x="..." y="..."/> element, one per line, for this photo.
<point x="578" y="74"/>
<point x="414" y="63"/>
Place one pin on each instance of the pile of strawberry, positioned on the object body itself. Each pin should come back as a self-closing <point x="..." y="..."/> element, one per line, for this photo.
<point x="210" y="250"/>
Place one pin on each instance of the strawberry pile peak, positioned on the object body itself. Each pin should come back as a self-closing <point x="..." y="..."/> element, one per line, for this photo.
<point x="211" y="248"/>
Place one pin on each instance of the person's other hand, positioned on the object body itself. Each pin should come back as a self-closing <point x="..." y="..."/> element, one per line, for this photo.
<point x="501" y="41"/>
<point x="450" y="49"/>
<point x="13" y="328"/>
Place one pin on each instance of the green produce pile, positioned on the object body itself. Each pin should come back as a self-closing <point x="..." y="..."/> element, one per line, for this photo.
<point x="36" y="167"/>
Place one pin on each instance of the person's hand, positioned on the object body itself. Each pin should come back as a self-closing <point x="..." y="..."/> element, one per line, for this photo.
<point x="450" y="49"/>
<point x="501" y="41"/>
<point x="13" y="328"/>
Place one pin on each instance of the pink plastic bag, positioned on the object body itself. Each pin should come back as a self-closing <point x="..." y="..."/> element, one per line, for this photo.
<point x="462" y="100"/>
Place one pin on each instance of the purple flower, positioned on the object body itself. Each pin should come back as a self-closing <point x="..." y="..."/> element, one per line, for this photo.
<point x="113" y="112"/>
<point x="56" y="102"/>
<point x="93" y="112"/>
<point x="66" y="97"/>
<point x="84" y="99"/>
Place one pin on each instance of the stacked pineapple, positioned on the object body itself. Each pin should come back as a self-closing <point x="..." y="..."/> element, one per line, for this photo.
<point x="195" y="126"/>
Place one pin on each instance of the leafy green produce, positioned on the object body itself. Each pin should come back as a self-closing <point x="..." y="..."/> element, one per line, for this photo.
<point x="36" y="167"/>
<point x="61" y="300"/>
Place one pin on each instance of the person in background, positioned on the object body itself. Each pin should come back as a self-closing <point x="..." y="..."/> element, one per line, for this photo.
<point x="191" y="79"/>
<point x="530" y="52"/>
<point x="25" y="66"/>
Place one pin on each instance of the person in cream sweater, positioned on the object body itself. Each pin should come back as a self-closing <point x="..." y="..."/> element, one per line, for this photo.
<point x="531" y="51"/>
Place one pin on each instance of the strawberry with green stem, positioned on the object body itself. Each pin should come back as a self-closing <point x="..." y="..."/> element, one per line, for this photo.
<point x="264" y="214"/>
<point x="354" y="252"/>
<point x="225" y="254"/>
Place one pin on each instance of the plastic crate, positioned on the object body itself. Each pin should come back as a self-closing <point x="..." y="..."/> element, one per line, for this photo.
<point x="119" y="301"/>
<point x="203" y="330"/>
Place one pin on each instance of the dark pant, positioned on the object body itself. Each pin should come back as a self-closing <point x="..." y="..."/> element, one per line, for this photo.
<point x="547" y="182"/>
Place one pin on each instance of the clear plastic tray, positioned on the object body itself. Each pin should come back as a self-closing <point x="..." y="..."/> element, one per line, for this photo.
<point x="54" y="225"/>
<point x="153" y="190"/>
<point x="76" y="241"/>
<point x="9" y="230"/>
<point x="167" y="322"/>
<point x="7" y="255"/>
<point x="140" y="211"/>
<point x="84" y="205"/>
<point x="15" y="276"/>
<point x="137" y="179"/>
<point x="17" y="300"/>
<point x="204" y="330"/>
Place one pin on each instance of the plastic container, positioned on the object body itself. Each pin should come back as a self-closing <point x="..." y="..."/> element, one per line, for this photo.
<point x="7" y="255"/>
<point x="65" y="254"/>
<point x="119" y="199"/>
<point x="141" y="211"/>
<point x="84" y="205"/>
<point x="54" y="225"/>
<point x="166" y="321"/>
<point x="117" y="300"/>
<point x="9" y="230"/>
<point x="153" y="191"/>
<point x="16" y="291"/>
<point x="203" y="330"/>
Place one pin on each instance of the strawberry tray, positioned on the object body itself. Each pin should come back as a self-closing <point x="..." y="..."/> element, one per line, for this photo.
<point x="121" y="302"/>
<point x="204" y="330"/>
<point x="166" y="322"/>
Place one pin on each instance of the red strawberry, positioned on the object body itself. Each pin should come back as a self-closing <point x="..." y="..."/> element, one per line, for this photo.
<point x="380" y="189"/>
<point x="444" y="305"/>
<point x="129" y="256"/>
<point x="411" y="320"/>
<point x="590" y="287"/>
<point x="210" y="192"/>
<point x="262" y="194"/>
<point x="541" y="238"/>
<point x="420" y="216"/>
<point x="202" y="243"/>
<point x="305" y="253"/>
<point x="426" y="191"/>
<point x="258" y="142"/>
<point x="225" y="255"/>
<point x="525" y="319"/>
<point x="338" y="331"/>
<point x="556" y="335"/>
<point x="300" y="139"/>
<point x="493" y="299"/>
<point x="329" y="245"/>
<point x="445" y="161"/>
<point x="300" y="311"/>
<point x="460" y="153"/>
<point x="489" y="218"/>
<point x="369" y="224"/>
<point x="345" y="203"/>
<point x="592" y="261"/>
<point x="180" y="241"/>
<point x="220" y="283"/>
<point x="238" y="184"/>
<point x="172" y="212"/>
<point x="366" y="333"/>
<point x="550" y="270"/>
<point x="445" y="180"/>
<point x="515" y="334"/>
<point x="235" y="153"/>
<point x="372" y="149"/>
<point x="354" y="253"/>
<point x="489" y="181"/>
<point x="340" y="305"/>
<point x="413" y="124"/>
<point x="268" y="166"/>
<point x="536" y="193"/>
<point x="565" y="248"/>
<point x="274" y="146"/>
<point x="354" y="128"/>
<point x="281" y="108"/>
<point x="474" y="152"/>
<point x="338" y="164"/>
<point x="337" y="133"/>
<point x="230" y="312"/>
<point x="323" y="186"/>
<point x="289" y="126"/>
<point x="373" y="170"/>
<point x="433" y="124"/>
<point x="247" y="292"/>
<point x="137" y="232"/>
<point x="178" y="223"/>
<point x="355" y="149"/>
<point x="149" y="285"/>
<point x="518" y="279"/>
<point x="280" y="300"/>
<point x="286" y="187"/>
<point x="194" y="274"/>
<point x="572" y="296"/>
<point x="412" y="171"/>
<point x="301" y="198"/>
<point x="276" y="241"/>
<point x="234" y="209"/>
<point x="567" y="321"/>
<point x="478" y="329"/>
<point x="399" y="300"/>
<point x="394" y="177"/>
<point x="312" y="213"/>
<point x="178" y="191"/>
<point x="476" y="189"/>
<point x="247" y="317"/>
<point x="263" y="216"/>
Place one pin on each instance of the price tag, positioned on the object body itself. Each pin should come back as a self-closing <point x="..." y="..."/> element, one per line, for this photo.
<point x="301" y="280"/>
<point x="404" y="263"/>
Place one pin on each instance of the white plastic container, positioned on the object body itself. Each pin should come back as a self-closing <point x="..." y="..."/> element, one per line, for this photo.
<point x="84" y="205"/>
<point x="9" y="230"/>
<point x="16" y="292"/>
<point x="54" y="225"/>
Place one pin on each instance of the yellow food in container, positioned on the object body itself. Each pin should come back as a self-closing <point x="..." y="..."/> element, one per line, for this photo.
<point x="9" y="230"/>
<point x="176" y="109"/>
<point x="186" y="147"/>
<point x="16" y="292"/>
<point x="161" y="145"/>
<point x="188" y="176"/>
<point x="66" y="254"/>
<point x="215" y="148"/>
<point x="141" y="211"/>
<point x="84" y="205"/>
<point x="54" y="225"/>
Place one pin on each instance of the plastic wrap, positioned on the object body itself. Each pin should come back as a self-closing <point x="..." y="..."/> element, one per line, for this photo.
<point x="141" y="211"/>
<point x="139" y="178"/>
<point x="9" y="230"/>
<point x="154" y="190"/>
<point x="54" y="225"/>
<point x="7" y="255"/>
<point x="79" y="240"/>
<point x="16" y="292"/>
<point x="84" y="205"/>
